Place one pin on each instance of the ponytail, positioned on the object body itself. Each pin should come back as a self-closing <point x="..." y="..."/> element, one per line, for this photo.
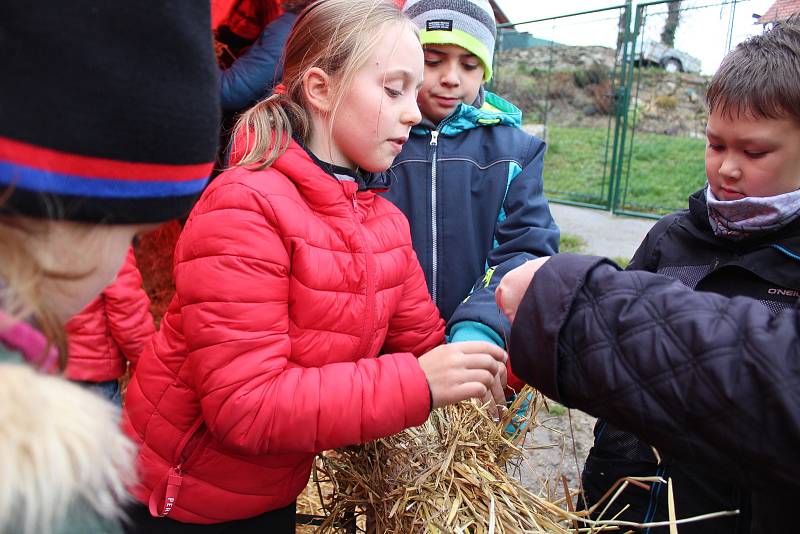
<point x="262" y="134"/>
<point x="336" y="36"/>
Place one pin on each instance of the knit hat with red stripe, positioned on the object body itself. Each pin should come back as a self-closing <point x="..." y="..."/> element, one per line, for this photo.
<point x="108" y="110"/>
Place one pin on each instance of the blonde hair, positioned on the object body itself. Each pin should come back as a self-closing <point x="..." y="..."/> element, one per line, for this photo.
<point x="23" y="278"/>
<point x="336" y="36"/>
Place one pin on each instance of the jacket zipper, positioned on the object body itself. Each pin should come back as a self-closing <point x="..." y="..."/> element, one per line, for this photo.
<point x="173" y="480"/>
<point x="434" y="224"/>
<point x="195" y="433"/>
<point x="369" y="328"/>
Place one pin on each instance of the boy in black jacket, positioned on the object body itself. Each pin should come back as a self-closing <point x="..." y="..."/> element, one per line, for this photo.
<point x="739" y="237"/>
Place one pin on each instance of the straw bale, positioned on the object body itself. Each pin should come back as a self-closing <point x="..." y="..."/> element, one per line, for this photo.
<point x="447" y="475"/>
<point x="451" y="475"/>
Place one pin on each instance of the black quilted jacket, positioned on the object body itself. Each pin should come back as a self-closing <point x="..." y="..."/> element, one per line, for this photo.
<point x="704" y="378"/>
<point x="766" y="267"/>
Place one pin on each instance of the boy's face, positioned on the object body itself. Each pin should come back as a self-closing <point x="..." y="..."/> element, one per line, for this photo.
<point x="452" y="75"/>
<point x="752" y="157"/>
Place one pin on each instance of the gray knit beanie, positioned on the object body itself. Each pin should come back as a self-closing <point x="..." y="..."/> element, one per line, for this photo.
<point x="468" y="24"/>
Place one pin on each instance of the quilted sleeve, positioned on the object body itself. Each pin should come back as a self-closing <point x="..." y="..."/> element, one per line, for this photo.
<point x="416" y="326"/>
<point x="128" y="310"/>
<point x="232" y="281"/>
<point x="702" y="377"/>
<point x="91" y="358"/>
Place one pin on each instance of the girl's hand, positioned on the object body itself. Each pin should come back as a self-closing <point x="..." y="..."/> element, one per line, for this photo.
<point x="514" y="284"/>
<point x="460" y="371"/>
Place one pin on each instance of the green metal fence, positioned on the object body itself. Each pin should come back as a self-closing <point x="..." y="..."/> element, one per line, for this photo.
<point x="569" y="95"/>
<point x="663" y="157"/>
<point x="625" y="132"/>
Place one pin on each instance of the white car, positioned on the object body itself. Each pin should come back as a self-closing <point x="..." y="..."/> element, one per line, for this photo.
<point x="672" y="60"/>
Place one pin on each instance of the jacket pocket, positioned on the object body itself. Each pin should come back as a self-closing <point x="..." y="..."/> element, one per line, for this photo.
<point x="165" y="494"/>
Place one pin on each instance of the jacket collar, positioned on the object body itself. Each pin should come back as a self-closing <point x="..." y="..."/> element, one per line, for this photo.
<point x="364" y="180"/>
<point x="321" y="187"/>
<point x="487" y="110"/>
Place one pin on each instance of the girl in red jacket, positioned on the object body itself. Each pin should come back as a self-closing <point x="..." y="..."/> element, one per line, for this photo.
<point x="109" y="332"/>
<point x="301" y="320"/>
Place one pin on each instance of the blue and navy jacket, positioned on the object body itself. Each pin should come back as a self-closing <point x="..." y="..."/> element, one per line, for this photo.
<point x="253" y="75"/>
<point x="471" y="188"/>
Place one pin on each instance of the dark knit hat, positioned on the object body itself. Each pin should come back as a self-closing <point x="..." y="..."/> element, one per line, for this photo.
<point x="108" y="110"/>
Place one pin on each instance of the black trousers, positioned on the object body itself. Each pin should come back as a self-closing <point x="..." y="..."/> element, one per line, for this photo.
<point x="280" y="521"/>
<point x="696" y="493"/>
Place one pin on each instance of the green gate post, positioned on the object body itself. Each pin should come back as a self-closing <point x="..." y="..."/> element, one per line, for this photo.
<point x="623" y="104"/>
<point x="622" y="95"/>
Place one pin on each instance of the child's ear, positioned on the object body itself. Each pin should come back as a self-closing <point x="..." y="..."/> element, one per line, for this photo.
<point x="317" y="89"/>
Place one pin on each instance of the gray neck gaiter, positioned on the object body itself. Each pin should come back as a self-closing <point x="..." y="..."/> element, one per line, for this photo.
<point x="737" y="219"/>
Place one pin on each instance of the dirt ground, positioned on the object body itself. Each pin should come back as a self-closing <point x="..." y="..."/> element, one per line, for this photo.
<point x="557" y="447"/>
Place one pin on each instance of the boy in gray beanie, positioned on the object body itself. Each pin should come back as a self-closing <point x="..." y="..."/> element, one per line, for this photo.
<point x="469" y="179"/>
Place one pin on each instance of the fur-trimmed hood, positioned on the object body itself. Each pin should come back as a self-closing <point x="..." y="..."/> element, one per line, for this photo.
<point x="64" y="461"/>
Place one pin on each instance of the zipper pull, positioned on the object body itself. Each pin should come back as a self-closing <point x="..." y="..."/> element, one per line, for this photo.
<point x="355" y="203"/>
<point x="434" y="137"/>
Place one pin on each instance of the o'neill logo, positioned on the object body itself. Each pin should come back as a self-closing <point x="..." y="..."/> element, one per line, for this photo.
<point x="784" y="292"/>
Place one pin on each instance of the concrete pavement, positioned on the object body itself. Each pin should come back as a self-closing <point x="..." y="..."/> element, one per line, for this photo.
<point x="605" y="234"/>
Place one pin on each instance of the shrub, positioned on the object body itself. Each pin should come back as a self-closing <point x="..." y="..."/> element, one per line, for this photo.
<point x="593" y="75"/>
<point x="560" y="85"/>
<point x="603" y="97"/>
<point x="666" y="102"/>
<point x="524" y="92"/>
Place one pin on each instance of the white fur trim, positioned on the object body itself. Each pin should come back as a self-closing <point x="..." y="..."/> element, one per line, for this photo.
<point x="59" y="445"/>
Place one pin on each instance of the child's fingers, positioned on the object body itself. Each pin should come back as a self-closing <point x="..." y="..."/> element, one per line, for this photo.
<point x="488" y="400"/>
<point x="469" y="390"/>
<point x="498" y="395"/>
<point x="502" y="376"/>
<point x="481" y="361"/>
<point x="482" y="347"/>
<point x="476" y="375"/>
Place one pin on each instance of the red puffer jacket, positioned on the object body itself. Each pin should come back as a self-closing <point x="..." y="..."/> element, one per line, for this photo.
<point x="289" y="285"/>
<point x="111" y="330"/>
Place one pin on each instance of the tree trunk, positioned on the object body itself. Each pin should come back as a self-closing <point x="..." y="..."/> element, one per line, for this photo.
<point x="620" y="30"/>
<point x="671" y="26"/>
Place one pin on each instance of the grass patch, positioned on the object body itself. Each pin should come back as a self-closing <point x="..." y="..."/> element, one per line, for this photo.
<point x="572" y="243"/>
<point x="577" y="245"/>
<point x="664" y="170"/>
<point x="574" y="164"/>
<point x="622" y="262"/>
<point x="554" y="408"/>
